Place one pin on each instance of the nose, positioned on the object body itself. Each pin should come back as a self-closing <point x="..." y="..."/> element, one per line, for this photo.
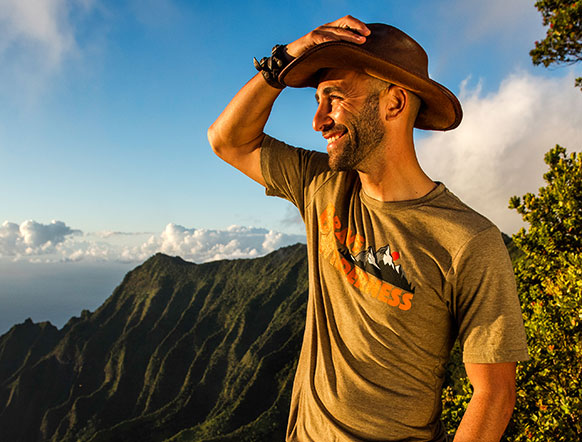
<point x="322" y="119"/>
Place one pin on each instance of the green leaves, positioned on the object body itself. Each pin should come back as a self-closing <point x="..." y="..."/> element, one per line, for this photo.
<point x="563" y="42"/>
<point x="555" y="214"/>
<point x="549" y="279"/>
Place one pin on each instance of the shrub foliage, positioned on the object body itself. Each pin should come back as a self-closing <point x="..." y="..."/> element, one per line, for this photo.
<point x="549" y="280"/>
<point x="563" y="42"/>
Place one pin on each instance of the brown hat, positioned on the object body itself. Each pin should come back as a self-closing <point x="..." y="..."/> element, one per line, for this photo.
<point x="388" y="54"/>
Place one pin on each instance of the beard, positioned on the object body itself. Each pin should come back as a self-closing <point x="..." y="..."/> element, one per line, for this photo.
<point x="363" y="135"/>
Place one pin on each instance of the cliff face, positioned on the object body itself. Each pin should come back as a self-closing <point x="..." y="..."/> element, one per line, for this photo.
<point x="179" y="352"/>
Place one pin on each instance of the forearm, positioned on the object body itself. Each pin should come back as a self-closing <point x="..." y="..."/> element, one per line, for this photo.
<point x="486" y="417"/>
<point x="241" y="124"/>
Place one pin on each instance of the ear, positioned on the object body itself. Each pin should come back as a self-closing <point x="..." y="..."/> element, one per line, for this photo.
<point x="393" y="101"/>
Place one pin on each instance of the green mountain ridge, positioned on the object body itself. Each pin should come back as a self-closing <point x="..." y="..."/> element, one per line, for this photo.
<point x="178" y="352"/>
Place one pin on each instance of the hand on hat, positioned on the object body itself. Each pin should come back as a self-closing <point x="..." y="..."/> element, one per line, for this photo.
<point x="347" y="28"/>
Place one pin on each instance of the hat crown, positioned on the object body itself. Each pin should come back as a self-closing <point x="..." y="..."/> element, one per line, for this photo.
<point x="390" y="55"/>
<point x="396" y="47"/>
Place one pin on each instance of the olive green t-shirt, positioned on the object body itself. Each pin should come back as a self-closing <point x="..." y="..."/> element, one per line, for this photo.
<point x="391" y="286"/>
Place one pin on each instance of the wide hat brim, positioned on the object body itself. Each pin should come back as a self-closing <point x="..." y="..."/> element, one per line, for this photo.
<point x="440" y="109"/>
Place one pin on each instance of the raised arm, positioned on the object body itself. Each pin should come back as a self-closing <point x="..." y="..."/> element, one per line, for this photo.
<point x="237" y="134"/>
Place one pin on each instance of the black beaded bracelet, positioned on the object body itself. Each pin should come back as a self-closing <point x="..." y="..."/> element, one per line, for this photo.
<point x="272" y="66"/>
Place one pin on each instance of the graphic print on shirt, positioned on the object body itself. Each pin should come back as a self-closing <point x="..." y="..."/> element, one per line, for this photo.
<point x="381" y="264"/>
<point x="374" y="273"/>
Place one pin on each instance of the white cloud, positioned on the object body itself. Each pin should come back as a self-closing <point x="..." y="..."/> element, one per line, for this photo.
<point x="498" y="150"/>
<point x="36" y="25"/>
<point x="35" y="38"/>
<point x="37" y="235"/>
<point x="32" y="238"/>
<point x="207" y="245"/>
<point x="35" y="242"/>
<point x="111" y="234"/>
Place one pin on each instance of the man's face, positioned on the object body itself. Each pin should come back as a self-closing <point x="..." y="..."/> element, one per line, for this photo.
<point x="348" y="117"/>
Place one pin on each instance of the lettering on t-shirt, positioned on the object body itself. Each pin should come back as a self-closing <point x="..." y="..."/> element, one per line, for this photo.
<point x="373" y="272"/>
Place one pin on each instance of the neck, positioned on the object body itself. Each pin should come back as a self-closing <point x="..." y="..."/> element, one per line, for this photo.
<point x="394" y="174"/>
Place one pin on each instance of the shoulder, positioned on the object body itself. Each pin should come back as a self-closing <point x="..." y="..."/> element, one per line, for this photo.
<point x="294" y="173"/>
<point x="280" y="160"/>
<point x="458" y="219"/>
<point x="272" y="147"/>
<point x="459" y="229"/>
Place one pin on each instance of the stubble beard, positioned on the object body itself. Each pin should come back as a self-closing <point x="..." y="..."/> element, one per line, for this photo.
<point x="363" y="137"/>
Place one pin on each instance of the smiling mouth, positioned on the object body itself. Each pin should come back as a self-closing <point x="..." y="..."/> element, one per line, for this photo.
<point x="335" y="137"/>
<point x="332" y="139"/>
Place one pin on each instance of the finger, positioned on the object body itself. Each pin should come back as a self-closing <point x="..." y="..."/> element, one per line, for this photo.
<point x="333" y="33"/>
<point x="321" y="35"/>
<point x="351" y="23"/>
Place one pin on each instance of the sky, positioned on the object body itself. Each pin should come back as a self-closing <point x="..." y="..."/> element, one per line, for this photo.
<point x="104" y="108"/>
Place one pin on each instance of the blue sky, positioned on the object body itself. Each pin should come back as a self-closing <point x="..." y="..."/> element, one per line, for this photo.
<point x="104" y="107"/>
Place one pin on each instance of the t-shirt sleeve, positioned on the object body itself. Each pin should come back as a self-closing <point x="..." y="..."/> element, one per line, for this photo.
<point x="288" y="171"/>
<point x="487" y="309"/>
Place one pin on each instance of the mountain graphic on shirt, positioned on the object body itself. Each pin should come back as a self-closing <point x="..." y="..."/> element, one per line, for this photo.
<point x="382" y="265"/>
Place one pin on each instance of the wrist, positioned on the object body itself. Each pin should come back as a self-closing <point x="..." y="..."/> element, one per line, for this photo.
<point x="271" y="67"/>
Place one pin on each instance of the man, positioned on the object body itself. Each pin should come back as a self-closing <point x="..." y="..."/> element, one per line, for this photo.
<point x="399" y="267"/>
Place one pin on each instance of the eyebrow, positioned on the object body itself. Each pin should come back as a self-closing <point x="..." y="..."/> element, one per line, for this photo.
<point x="326" y="91"/>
